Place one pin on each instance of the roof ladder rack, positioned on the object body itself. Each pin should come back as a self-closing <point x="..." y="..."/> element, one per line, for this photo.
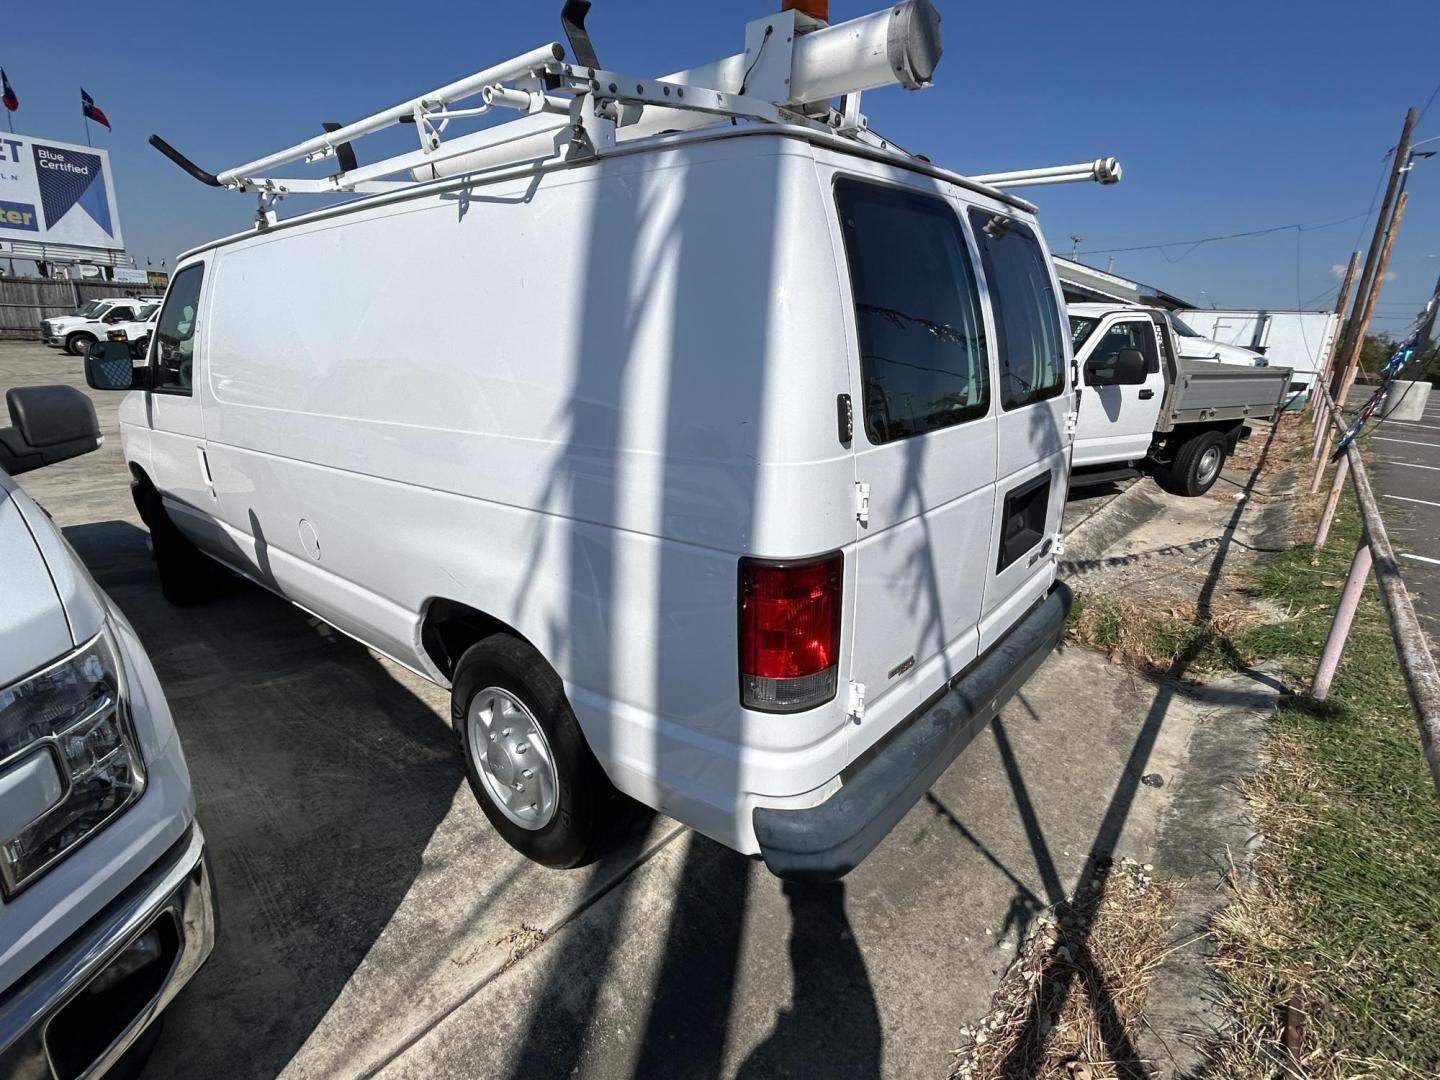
<point x="793" y="70"/>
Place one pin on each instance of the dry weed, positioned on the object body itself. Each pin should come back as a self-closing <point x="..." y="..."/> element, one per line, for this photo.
<point x="1071" y="1005"/>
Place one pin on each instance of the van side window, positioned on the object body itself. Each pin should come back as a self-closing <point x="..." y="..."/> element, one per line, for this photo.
<point x="173" y="357"/>
<point x="917" y="311"/>
<point x="1027" y="312"/>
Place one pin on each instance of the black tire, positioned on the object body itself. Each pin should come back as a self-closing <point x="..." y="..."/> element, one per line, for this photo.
<point x="76" y="344"/>
<point x="584" y="794"/>
<point x="186" y="576"/>
<point x="1197" y="464"/>
<point x="138" y="349"/>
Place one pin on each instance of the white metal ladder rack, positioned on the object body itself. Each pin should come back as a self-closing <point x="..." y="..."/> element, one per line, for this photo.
<point x="792" y="69"/>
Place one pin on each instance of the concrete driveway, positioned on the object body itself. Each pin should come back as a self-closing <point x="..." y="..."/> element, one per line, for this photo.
<point x="371" y="922"/>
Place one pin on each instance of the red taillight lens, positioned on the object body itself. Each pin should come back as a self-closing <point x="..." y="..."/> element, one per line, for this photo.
<point x="789" y="633"/>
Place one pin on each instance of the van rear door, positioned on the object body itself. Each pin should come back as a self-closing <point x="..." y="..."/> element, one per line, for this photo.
<point x="924" y="440"/>
<point x="1034" y="400"/>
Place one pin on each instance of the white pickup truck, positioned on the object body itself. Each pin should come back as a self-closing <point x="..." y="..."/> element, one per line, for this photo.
<point x="106" y="906"/>
<point x="1146" y="406"/>
<point x="90" y="323"/>
<point x="1195" y="346"/>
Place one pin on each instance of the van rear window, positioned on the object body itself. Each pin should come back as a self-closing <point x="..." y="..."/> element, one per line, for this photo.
<point x="1027" y="311"/>
<point x="917" y="311"/>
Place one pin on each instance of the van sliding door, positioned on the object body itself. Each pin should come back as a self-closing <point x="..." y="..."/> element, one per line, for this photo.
<point x="1032" y="349"/>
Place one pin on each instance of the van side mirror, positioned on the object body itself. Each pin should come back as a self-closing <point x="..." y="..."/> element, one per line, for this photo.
<point x="50" y="424"/>
<point x="108" y="367"/>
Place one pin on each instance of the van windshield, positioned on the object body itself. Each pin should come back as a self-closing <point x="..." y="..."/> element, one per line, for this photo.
<point x="917" y="311"/>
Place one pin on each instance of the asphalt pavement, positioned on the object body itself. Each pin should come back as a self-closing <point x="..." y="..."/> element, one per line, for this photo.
<point x="1404" y="466"/>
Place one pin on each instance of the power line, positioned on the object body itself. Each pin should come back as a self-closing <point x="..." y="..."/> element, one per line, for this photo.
<point x="1193" y="244"/>
<point x="1433" y="94"/>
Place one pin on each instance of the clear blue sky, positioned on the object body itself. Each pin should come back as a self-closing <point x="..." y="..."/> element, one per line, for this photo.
<point x="1228" y="116"/>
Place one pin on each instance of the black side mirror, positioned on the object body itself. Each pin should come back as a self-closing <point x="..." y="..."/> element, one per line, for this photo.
<point x="51" y="423"/>
<point x="1129" y="368"/>
<point x="108" y="367"/>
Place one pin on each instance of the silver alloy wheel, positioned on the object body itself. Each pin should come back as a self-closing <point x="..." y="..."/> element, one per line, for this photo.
<point x="1209" y="466"/>
<point x="512" y="758"/>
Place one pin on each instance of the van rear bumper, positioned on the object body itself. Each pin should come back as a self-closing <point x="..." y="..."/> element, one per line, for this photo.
<point x="826" y="842"/>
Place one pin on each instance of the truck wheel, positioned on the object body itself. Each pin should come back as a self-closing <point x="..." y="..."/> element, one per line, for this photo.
<point x="525" y="756"/>
<point x="1197" y="465"/>
<point x="186" y="576"/>
<point x="77" y="344"/>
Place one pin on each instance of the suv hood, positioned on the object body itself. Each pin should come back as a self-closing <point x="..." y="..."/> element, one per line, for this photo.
<point x="34" y="631"/>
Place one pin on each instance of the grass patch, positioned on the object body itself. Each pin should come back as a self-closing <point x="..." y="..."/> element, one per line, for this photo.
<point x="1330" y="951"/>
<point x="1337" y="933"/>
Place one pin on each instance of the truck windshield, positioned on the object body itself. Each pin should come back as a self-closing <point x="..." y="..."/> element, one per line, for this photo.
<point x="1081" y="327"/>
<point x="90" y="310"/>
<point x="1182" y="329"/>
<point x="917" y="311"/>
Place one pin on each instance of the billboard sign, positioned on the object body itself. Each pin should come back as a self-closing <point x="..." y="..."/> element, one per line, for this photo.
<point x="57" y="193"/>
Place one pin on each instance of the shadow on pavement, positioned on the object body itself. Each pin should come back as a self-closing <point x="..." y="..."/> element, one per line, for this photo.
<point x="319" y="781"/>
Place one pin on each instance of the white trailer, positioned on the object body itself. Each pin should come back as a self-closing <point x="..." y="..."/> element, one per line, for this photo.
<point x="1299" y="340"/>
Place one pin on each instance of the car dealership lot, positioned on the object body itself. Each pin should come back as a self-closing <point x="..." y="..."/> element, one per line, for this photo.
<point x="371" y="920"/>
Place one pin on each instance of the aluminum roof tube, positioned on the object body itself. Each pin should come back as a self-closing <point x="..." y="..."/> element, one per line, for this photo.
<point x="898" y="45"/>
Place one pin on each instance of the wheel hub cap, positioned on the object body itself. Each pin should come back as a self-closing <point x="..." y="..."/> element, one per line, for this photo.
<point x="512" y="757"/>
<point x="1209" y="465"/>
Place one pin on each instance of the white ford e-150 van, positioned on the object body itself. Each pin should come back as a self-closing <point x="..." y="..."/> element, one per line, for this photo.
<point x="741" y="495"/>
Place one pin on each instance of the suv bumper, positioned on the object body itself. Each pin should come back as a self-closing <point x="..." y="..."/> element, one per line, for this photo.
<point x="826" y="842"/>
<point x="175" y="899"/>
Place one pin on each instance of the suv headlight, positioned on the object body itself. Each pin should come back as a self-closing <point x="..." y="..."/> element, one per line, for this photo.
<point x="75" y="711"/>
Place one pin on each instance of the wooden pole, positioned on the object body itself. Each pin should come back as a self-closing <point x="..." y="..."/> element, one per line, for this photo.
<point x="1377" y="242"/>
<point x="1340" y="304"/>
<point x="1352" y="362"/>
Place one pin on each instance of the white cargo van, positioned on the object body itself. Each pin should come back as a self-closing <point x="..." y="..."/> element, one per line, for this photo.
<point x="742" y="495"/>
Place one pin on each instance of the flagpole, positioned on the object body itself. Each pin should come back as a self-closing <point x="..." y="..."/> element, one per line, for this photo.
<point x="87" y="131"/>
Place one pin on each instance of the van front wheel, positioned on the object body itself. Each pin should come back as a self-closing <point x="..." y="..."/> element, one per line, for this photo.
<point x="525" y="756"/>
<point x="186" y="576"/>
<point x="1197" y="464"/>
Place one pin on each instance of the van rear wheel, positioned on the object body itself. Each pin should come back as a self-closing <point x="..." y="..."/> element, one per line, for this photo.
<point x="525" y="756"/>
<point x="1197" y="464"/>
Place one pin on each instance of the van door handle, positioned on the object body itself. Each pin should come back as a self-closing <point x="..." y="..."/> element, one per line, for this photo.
<point x="205" y="469"/>
<point x="1146" y="395"/>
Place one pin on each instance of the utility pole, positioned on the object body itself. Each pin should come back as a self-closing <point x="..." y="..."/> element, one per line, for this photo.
<point x="1347" y="377"/>
<point x="1377" y="243"/>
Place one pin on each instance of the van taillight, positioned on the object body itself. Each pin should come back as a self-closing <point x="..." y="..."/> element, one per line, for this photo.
<point x="789" y="632"/>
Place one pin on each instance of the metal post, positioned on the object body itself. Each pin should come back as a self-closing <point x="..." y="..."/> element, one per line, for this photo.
<point x="1341" y="472"/>
<point x="1347" y="377"/>
<point x="1377" y="241"/>
<point x="1344" y="617"/>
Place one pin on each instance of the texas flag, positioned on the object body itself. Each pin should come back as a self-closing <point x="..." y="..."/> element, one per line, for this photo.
<point x="8" y="95"/>
<point x="91" y="110"/>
